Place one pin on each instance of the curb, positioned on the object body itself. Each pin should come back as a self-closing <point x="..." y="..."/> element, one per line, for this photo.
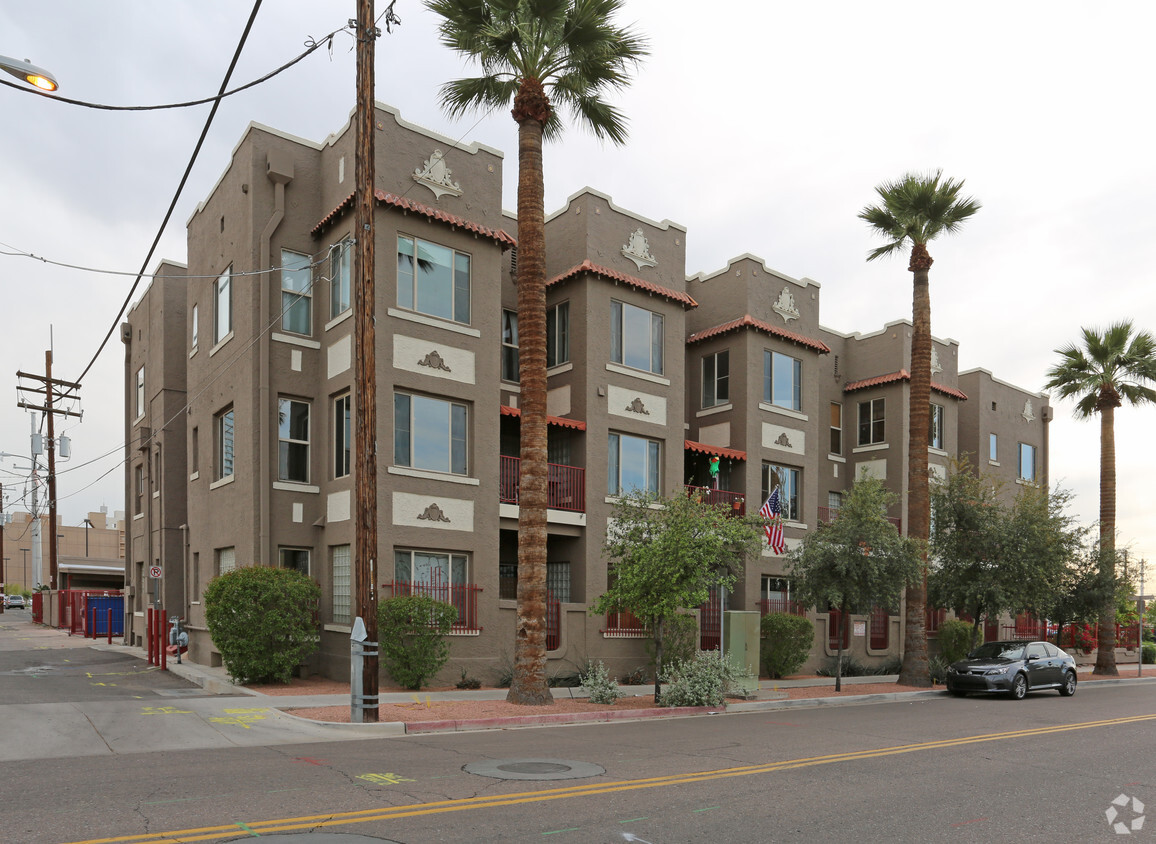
<point x="417" y="727"/>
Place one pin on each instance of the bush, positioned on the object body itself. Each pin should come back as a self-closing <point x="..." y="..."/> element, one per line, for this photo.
<point x="1148" y="653"/>
<point x="468" y="682"/>
<point x="263" y="621"/>
<point x="412" y="631"/>
<point x="938" y="666"/>
<point x="637" y="677"/>
<point x="701" y="681"/>
<point x="602" y="688"/>
<point x="955" y="641"/>
<point x="786" y="643"/>
<point x="679" y="639"/>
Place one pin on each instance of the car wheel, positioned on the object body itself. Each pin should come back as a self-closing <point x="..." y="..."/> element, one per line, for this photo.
<point x="1019" y="687"/>
<point x="958" y="692"/>
<point x="1068" y="687"/>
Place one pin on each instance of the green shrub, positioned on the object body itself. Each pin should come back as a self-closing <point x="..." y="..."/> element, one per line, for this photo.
<point x="412" y="630"/>
<point x="602" y="688"/>
<point x="679" y="639"/>
<point x="955" y="641"/>
<point x="468" y="682"/>
<point x="637" y="677"/>
<point x="263" y="621"/>
<point x="938" y="666"/>
<point x="1148" y="653"/>
<point x="701" y="681"/>
<point x="786" y="643"/>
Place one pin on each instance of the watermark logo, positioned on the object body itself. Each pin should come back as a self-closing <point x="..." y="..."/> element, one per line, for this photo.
<point x="1120" y="807"/>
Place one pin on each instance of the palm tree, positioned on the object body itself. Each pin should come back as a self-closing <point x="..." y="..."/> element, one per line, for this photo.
<point x="917" y="208"/>
<point x="1112" y="367"/>
<point x="537" y="54"/>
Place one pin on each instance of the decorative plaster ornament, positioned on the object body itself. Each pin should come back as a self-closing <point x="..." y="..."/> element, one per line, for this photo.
<point x="638" y="250"/>
<point x="785" y="306"/>
<point x="435" y="175"/>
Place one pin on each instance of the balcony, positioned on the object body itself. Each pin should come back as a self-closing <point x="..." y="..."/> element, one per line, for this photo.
<point x="734" y="502"/>
<point x="828" y="514"/>
<point x="770" y="605"/>
<point x="565" y="485"/>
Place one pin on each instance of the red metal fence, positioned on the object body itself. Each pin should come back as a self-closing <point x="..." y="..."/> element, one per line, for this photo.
<point x="880" y="629"/>
<point x="833" y="630"/>
<point x="771" y="605"/>
<point x="463" y="597"/>
<point x="623" y="625"/>
<point x="735" y="503"/>
<point x="553" y="622"/>
<point x="828" y="514"/>
<point x="565" y="485"/>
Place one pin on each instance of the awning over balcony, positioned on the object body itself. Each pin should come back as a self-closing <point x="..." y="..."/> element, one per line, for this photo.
<point x="703" y="448"/>
<point x="560" y="421"/>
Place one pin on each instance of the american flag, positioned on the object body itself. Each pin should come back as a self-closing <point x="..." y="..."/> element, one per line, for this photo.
<point x="773" y="513"/>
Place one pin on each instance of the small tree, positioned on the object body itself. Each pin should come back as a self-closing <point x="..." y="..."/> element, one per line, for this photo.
<point x="413" y="630"/>
<point x="786" y="643"/>
<point x="665" y="555"/>
<point x="263" y="621"/>
<point x="856" y="561"/>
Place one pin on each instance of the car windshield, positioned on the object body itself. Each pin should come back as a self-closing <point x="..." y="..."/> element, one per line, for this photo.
<point x="996" y="650"/>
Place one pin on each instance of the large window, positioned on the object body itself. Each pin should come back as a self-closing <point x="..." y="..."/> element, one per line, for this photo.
<point x="433" y="280"/>
<point x="558" y="334"/>
<point x="782" y="380"/>
<point x="340" y="568"/>
<point x="429" y="434"/>
<point x="431" y="568"/>
<point x="296" y="293"/>
<point x="716" y="379"/>
<point x="293" y="440"/>
<point x="1027" y="462"/>
<point x="871" y="418"/>
<point x="787" y="480"/>
<point x="509" y="345"/>
<point x="342" y="407"/>
<point x="340" y="278"/>
<point x="140" y="392"/>
<point x="836" y="446"/>
<point x="634" y="464"/>
<point x="223" y="312"/>
<point x="935" y="426"/>
<point x="294" y="558"/>
<point x="636" y="337"/>
<point x="223" y="445"/>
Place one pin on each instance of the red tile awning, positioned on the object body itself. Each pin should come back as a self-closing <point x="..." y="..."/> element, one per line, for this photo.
<point x="589" y="266"/>
<point x="560" y="421"/>
<point x="748" y="321"/>
<point x="901" y="375"/>
<point x="410" y="206"/>
<point x="703" y="448"/>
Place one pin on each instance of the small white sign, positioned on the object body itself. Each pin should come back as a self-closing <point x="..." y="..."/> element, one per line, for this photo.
<point x="860" y="628"/>
<point x="155" y="572"/>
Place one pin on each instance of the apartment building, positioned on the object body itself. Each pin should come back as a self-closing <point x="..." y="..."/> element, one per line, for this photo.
<point x="650" y="374"/>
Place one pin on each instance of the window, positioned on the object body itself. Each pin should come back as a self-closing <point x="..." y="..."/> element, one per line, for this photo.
<point x="340" y="278"/>
<point x="138" y="488"/>
<point x="140" y="393"/>
<point x="433" y="280"/>
<point x="294" y="558"/>
<point x="296" y="293"/>
<point x="342" y="405"/>
<point x="834" y="502"/>
<point x="196" y="328"/>
<point x="782" y="381"/>
<point x="194" y="450"/>
<point x="558" y="581"/>
<point x="1027" y="463"/>
<point x="935" y="427"/>
<point x="341" y="571"/>
<point x="226" y="560"/>
<point x="223" y="313"/>
<point x="716" y="379"/>
<point x="992" y="450"/>
<point x="636" y="337"/>
<point x="223" y="435"/>
<point x="871" y="421"/>
<point x="509" y="345"/>
<point x="836" y="428"/>
<point x="787" y="481"/>
<point x="293" y="440"/>
<point x="431" y="568"/>
<point x="634" y="464"/>
<point x="558" y="334"/>
<point x="778" y="592"/>
<point x="429" y="434"/>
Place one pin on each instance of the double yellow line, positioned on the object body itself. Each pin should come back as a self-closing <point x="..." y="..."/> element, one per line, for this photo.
<point x="258" y="828"/>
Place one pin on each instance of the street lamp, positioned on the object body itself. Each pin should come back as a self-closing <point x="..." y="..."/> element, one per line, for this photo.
<point x="38" y="77"/>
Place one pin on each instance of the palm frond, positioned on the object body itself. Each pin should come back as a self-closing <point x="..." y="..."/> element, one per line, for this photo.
<point x="918" y="207"/>
<point x="1114" y="357"/>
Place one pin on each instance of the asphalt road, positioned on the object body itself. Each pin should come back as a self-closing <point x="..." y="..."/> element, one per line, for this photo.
<point x="982" y="769"/>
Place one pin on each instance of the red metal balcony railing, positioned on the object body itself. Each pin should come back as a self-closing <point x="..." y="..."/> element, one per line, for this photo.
<point x="734" y="502"/>
<point x="623" y="625"/>
<point x="771" y="605"/>
<point x="827" y="514"/>
<point x="463" y="597"/>
<point x="880" y="629"/>
<point x="565" y="485"/>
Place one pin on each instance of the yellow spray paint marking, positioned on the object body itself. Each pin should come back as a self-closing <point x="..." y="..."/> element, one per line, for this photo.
<point x="385" y="779"/>
<point x="241" y="717"/>
<point x="165" y="710"/>
<point x="102" y="684"/>
<point x="417" y="700"/>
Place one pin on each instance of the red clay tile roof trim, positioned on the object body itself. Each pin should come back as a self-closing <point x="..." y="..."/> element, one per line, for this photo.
<point x="560" y="421"/>
<point x="748" y="321"/>
<point x="703" y="448"/>
<point x="408" y="205"/>
<point x="901" y="375"/>
<point x="589" y="266"/>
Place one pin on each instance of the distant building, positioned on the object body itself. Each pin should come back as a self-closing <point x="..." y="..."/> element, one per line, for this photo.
<point x="89" y="555"/>
<point x="650" y="374"/>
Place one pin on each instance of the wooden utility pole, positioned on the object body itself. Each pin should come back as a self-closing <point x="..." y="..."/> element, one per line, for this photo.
<point x="365" y="362"/>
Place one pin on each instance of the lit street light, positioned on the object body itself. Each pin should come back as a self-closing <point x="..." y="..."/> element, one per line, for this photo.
<point x="36" y="76"/>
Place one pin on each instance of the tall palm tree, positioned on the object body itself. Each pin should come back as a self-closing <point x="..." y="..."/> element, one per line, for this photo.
<point x="1111" y="368"/>
<point x="537" y="54"/>
<point x="915" y="210"/>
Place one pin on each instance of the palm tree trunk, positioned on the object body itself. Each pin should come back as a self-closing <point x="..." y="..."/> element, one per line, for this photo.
<point x="529" y="685"/>
<point x="915" y="670"/>
<point x="1106" y="639"/>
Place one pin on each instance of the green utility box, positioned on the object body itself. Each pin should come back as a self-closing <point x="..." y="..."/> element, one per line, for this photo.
<point x="741" y="633"/>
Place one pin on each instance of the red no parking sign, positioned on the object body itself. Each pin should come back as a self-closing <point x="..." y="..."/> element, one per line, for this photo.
<point x="155" y="572"/>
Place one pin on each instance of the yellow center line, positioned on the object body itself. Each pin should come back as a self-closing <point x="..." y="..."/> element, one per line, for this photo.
<point x="206" y="833"/>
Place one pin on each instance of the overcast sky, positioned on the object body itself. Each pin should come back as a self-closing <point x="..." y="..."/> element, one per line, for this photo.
<point x="761" y="127"/>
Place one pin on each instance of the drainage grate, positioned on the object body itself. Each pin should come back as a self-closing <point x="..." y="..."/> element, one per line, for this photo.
<point x="534" y="769"/>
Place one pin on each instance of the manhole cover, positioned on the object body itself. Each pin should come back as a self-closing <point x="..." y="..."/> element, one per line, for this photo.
<point x="534" y="769"/>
